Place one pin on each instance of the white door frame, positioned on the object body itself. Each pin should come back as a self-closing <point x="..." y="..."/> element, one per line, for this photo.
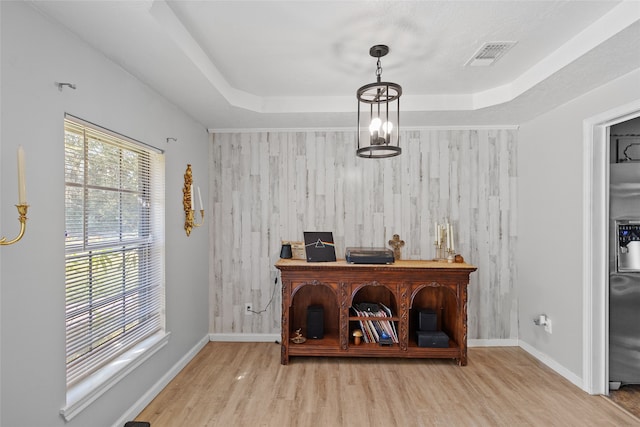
<point x="595" y="353"/>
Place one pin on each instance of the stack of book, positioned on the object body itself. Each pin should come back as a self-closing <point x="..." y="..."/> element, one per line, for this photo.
<point x="376" y="328"/>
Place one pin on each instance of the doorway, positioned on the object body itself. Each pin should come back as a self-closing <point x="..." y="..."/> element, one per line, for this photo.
<point x="595" y="255"/>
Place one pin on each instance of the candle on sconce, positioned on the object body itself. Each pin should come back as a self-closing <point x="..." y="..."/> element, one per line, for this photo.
<point x="435" y="232"/>
<point x="200" y="198"/>
<point x="22" y="185"/>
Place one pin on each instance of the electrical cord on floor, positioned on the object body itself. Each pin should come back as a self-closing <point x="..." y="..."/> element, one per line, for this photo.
<point x="275" y="282"/>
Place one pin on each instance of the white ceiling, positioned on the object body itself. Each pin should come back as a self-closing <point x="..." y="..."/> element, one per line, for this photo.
<point x="297" y="64"/>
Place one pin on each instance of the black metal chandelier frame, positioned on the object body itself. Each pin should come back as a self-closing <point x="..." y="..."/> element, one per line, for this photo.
<point x="378" y="97"/>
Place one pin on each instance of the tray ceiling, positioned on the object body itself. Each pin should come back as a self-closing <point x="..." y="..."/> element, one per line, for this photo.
<point x="297" y="64"/>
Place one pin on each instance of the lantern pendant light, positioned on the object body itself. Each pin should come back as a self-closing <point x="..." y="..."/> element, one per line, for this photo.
<point x="379" y="114"/>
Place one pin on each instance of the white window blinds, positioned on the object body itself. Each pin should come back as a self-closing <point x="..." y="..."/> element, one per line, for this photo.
<point x="114" y="240"/>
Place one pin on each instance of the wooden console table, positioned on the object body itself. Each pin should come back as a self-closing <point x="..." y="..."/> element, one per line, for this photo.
<point x="406" y="287"/>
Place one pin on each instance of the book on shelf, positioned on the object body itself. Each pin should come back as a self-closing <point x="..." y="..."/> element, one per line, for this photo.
<point x="368" y="336"/>
<point x="367" y="333"/>
<point x="370" y="327"/>
<point x="394" y="332"/>
<point x="374" y="329"/>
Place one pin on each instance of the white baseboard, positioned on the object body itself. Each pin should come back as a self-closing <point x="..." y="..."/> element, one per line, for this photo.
<point x="545" y="359"/>
<point x="146" y="398"/>
<point x="245" y="337"/>
<point x="492" y="343"/>
<point x="551" y="363"/>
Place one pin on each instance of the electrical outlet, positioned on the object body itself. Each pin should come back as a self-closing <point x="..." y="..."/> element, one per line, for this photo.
<point x="248" y="308"/>
<point x="547" y="326"/>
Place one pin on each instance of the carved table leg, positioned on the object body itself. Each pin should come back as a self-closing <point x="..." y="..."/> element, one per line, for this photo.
<point x="284" y="344"/>
<point x="463" y="326"/>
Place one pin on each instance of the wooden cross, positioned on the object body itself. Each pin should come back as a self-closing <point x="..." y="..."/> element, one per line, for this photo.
<point x="396" y="244"/>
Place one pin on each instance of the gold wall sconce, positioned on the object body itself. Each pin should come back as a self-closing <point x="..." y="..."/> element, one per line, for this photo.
<point x="189" y="203"/>
<point x="22" y="203"/>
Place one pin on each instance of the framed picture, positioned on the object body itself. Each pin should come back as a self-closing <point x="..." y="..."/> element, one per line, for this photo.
<point x="319" y="246"/>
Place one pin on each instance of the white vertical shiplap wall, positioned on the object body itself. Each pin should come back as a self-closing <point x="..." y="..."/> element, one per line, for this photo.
<point x="272" y="186"/>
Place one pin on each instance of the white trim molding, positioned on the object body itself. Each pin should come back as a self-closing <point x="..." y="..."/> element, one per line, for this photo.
<point x="352" y="129"/>
<point x="245" y="337"/>
<point x="551" y="363"/>
<point x="492" y="343"/>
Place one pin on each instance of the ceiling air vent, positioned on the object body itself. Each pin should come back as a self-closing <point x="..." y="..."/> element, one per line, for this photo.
<point x="489" y="53"/>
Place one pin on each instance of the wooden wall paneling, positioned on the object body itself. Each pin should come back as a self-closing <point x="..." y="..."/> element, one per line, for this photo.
<point x="479" y="295"/>
<point x="269" y="186"/>
<point x="215" y="221"/>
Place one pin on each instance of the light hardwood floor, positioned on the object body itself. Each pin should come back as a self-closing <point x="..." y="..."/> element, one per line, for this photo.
<point x="243" y="384"/>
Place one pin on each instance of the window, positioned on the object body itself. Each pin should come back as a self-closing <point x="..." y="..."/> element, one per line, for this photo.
<point x="114" y="245"/>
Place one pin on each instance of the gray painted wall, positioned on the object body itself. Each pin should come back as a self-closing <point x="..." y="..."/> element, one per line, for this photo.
<point x="35" y="54"/>
<point x="268" y="187"/>
<point x="550" y="209"/>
